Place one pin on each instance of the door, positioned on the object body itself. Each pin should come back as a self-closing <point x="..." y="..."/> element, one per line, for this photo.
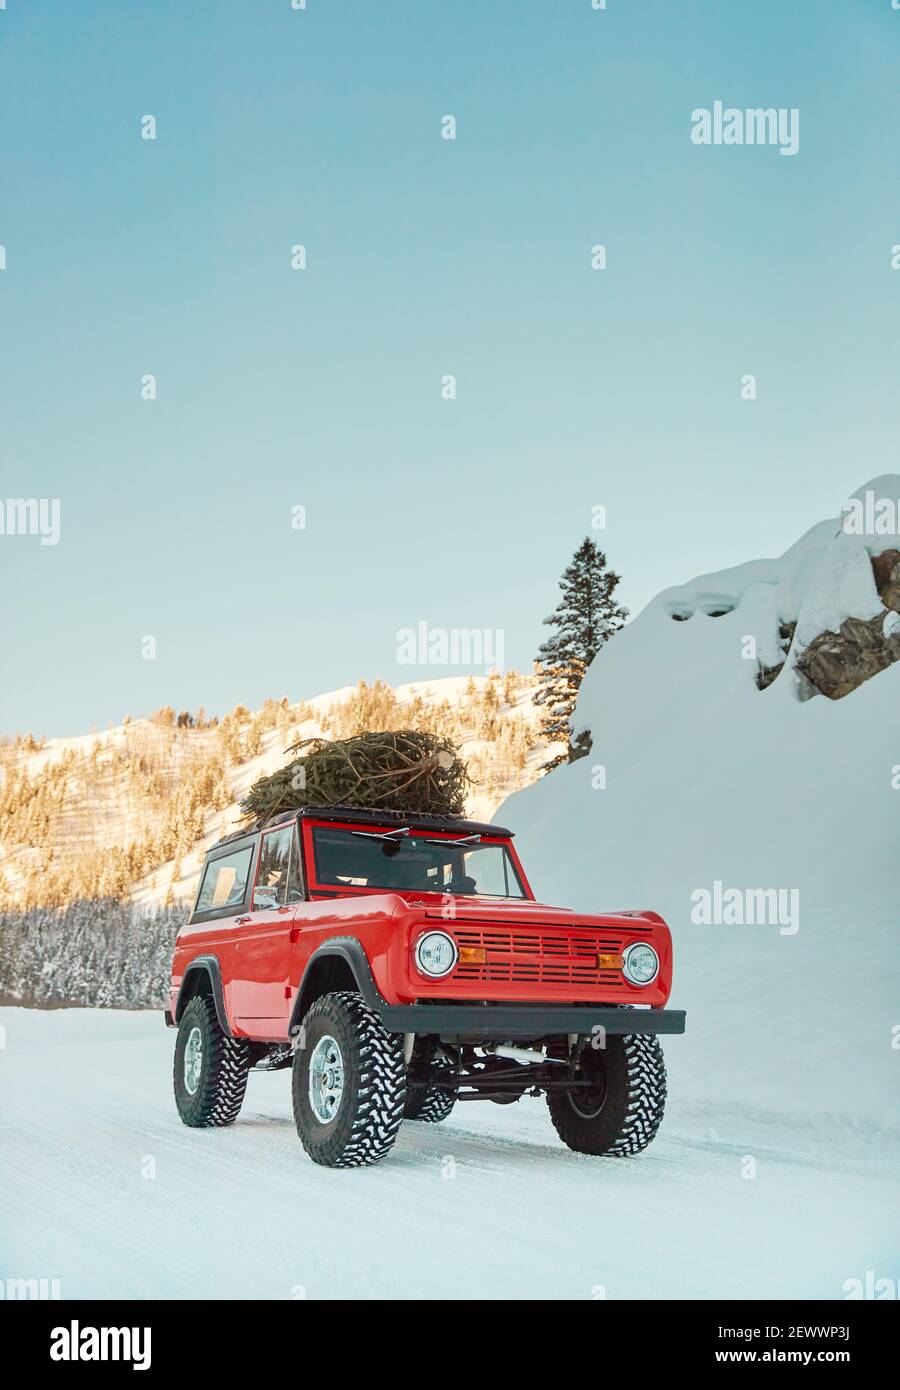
<point x="263" y="943"/>
<point x="214" y="925"/>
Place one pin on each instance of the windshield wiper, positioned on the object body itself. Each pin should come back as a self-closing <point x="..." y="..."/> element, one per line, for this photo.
<point x="462" y="840"/>
<point x="390" y="835"/>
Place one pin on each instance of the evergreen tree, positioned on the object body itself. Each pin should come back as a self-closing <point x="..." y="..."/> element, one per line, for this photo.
<point x="585" y="618"/>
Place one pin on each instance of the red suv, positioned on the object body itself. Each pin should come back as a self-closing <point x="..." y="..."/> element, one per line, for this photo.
<point x="398" y="964"/>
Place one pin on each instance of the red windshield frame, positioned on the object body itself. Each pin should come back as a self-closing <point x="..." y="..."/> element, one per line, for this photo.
<point x="331" y="890"/>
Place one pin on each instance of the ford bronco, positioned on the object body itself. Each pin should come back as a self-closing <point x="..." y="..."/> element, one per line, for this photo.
<point x="399" y="964"/>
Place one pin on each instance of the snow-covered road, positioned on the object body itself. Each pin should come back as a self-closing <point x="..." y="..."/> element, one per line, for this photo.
<point x="105" y="1190"/>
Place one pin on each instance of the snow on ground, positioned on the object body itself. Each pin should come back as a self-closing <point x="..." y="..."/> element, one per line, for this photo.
<point x="710" y="780"/>
<point x="86" y="1107"/>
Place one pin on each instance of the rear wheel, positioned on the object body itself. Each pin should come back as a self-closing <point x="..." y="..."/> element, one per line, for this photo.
<point x="436" y="1106"/>
<point x="426" y="1102"/>
<point x="210" y="1072"/>
<point x="349" y="1083"/>
<point x="620" y="1109"/>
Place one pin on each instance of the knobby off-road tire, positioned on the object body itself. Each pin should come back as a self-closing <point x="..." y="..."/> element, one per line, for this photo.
<point x="620" y="1114"/>
<point x="430" y="1104"/>
<point x="427" y="1103"/>
<point x="435" y="1106"/>
<point x="358" y="1083"/>
<point x="210" y="1070"/>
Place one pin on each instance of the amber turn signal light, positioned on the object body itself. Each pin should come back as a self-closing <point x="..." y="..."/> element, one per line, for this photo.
<point x="472" y="955"/>
<point x="610" y="960"/>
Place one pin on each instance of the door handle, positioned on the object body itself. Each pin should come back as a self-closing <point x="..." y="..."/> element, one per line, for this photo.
<point x="242" y="921"/>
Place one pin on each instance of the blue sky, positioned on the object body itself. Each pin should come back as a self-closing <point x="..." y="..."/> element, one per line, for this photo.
<point x="321" y="388"/>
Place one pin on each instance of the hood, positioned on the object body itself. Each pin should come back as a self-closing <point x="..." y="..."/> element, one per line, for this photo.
<point x="503" y="911"/>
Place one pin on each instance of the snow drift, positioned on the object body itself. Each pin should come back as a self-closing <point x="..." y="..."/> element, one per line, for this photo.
<point x="762" y="823"/>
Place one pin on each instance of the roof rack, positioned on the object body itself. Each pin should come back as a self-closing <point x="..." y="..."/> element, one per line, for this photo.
<point x="377" y="815"/>
<point x="367" y="815"/>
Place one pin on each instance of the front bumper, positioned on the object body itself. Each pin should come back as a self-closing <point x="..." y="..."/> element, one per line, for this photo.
<point x="503" y="1022"/>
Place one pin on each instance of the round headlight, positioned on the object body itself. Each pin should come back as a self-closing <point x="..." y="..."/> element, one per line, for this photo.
<point x="641" y="964"/>
<point x="436" y="953"/>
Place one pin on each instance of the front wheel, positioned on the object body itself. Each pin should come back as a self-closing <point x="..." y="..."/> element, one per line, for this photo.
<point x="619" y="1106"/>
<point x="211" y="1069"/>
<point x="349" y="1083"/>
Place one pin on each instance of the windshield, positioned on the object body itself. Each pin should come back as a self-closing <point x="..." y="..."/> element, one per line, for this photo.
<point x="372" y="859"/>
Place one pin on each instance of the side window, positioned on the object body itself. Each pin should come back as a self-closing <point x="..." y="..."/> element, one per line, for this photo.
<point x="486" y="871"/>
<point x="296" y="892"/>
<point x="225" y="881"/>
<point x="273" y="875"/>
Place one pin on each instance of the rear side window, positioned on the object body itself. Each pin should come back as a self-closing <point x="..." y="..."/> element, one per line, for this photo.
<point x="225" y="882"/>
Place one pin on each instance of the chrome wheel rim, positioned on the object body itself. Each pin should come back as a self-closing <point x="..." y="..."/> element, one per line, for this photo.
<point x="326" y="1079"/>
<point x="193" y="1061"/>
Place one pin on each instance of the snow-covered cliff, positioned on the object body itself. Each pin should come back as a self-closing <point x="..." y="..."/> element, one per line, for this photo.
<point x="763" y="823"/>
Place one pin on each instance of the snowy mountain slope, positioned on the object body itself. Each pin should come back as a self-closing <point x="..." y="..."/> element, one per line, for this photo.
<point x="159" y="792"/>
<point x="153" y="889"/>
<point x="709" y="779"/>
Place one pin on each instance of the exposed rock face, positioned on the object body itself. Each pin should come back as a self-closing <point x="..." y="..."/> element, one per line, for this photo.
<point x="766" y="674"/>
<point x="838" y="662"/>
<point x="834" y="663"/>
<point x="886" y="568"/>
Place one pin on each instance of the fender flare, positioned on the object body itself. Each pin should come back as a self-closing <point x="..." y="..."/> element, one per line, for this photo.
<point x="350" y="950"/>
<point x="210" y="966"/>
